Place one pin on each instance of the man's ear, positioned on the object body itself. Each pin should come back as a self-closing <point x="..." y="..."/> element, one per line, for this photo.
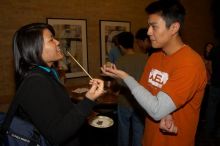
<point x="175" y="27"/>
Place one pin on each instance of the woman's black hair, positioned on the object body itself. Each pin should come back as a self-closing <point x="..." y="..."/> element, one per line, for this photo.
<point x="28" y="47"/>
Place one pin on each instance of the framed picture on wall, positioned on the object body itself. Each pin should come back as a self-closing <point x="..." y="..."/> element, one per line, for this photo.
<point x="109" y="29"/>
<point x="72" y="36"/>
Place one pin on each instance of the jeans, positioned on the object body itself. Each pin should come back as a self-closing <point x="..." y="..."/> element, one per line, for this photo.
<point x="130" y="125"/>
<point x="211" y="111"/>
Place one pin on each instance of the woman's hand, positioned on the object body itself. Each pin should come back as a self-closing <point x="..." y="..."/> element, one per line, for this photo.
<point x="167" y="125"/>
<point x="112" y="71"/>
<point x="96" y="90"/>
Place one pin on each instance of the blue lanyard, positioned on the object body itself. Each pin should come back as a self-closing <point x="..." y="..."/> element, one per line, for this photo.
<point x="47" y="69"/>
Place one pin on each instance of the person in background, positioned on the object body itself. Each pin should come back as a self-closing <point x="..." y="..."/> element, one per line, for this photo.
<point x="213" y="55"/>
<point x="114" y="52"/>
<point x="173" y="82"/>
<point x="207" y="48"/>
<point x="43" y="100"/>
<point x="143" y="42"/>
<point x="130" y="114"/>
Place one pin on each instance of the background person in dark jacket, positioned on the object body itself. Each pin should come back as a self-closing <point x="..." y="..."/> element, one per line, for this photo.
<point x="214" y="92"/>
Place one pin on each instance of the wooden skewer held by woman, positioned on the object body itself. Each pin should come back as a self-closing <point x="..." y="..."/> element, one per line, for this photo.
<point x="68" y="53"/>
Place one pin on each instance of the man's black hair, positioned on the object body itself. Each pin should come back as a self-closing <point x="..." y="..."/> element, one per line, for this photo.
<point x="126" y="39"/>
<point x="141" y="34"/>
<point x="171" y="11"/>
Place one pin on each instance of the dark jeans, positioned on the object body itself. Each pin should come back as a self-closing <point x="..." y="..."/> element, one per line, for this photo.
<point x="129" y="124"/>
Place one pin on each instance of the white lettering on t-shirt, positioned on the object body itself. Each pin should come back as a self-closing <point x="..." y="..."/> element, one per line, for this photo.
<point x="158" y="78"/>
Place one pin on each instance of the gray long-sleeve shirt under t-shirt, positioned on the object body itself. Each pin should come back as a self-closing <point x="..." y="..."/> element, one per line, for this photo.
<point x="157" y="106"/>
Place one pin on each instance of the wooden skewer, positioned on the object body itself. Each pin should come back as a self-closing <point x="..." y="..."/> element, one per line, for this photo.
<point x="79" y="64"/>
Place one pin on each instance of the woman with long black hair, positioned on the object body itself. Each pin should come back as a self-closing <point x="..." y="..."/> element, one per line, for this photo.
<point x="42" y="99"/>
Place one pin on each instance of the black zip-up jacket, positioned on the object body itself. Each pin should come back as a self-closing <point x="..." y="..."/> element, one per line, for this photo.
<point x="46" y="103"/>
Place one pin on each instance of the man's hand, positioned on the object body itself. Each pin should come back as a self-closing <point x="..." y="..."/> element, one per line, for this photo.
<point x="167" y="125"/>
<point x="112" y="71"/>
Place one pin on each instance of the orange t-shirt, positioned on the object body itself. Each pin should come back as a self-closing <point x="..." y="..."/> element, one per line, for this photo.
<point x="182" y="76"/>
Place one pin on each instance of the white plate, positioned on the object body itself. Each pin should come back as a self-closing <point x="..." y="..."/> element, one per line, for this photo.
<point x="101" y="122"/>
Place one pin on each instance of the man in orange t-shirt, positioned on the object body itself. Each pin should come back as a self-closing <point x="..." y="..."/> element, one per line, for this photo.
<point x="173" y="81"/>
<point x="183" y="79"/>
